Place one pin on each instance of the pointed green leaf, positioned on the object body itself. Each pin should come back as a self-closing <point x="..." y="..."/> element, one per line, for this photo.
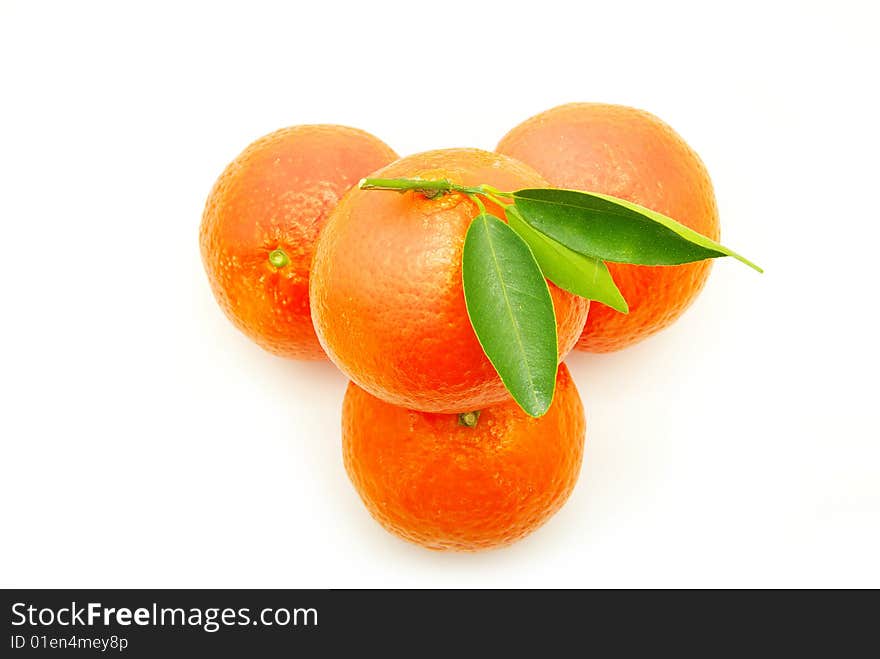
<point x="613" y="229"/>
<point x="582" y="275"/>
<point x="511" y="311"/>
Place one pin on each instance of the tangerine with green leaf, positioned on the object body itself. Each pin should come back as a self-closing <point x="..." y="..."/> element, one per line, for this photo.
<point x="261" y="222"/>
<point x="633" y="155"/>
<point x="463" y="482"/>
<point x="386" y="286"/>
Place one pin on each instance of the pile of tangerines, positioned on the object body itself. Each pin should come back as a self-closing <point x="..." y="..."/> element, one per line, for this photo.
<point x="310" y="265"/>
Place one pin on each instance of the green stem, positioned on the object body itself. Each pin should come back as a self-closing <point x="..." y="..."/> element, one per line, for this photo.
<point x="432" y="188"/>
<point x="437" y="187"/>
<point x="404" y="184"/>
<point x="480" y="205"/>
<point x="495" y="192"/>
<point x="491" y="196"/>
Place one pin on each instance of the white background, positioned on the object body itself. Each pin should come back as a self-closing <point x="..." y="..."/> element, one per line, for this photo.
<point x="145" y="442"/>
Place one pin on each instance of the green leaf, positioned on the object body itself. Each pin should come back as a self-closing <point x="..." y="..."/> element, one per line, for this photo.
<point x="613" y="229"/>
<point x="576" y="273"/>
<point x="511" y="311"/>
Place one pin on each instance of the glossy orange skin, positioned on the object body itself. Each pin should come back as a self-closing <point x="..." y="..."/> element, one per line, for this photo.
<point x="386" y="292"/>
<point x="435" y="482"/>
<point x="277" y="194"/>
<point x="630" y="154"/>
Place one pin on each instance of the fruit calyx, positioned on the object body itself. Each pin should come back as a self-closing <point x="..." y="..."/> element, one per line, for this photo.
<point x="469" y="419"/>
<point x="279" y="258"/>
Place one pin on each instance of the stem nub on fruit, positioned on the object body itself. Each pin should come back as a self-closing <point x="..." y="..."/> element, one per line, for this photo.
<point x="469" y="419"/>
<point x="279" y="258"/>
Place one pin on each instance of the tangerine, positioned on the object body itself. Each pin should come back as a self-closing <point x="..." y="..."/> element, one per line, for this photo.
<point x="433" y="480"/>
<point x="386" y="290"/>
<point x="631" y="154"/>
<point x="262" y="219"/>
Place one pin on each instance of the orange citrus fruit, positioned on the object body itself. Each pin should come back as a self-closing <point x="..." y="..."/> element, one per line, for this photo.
<point x="434" y="481"/>
<point x="386" y="290"/>
<point x="261" y="222"/>
<point x="630" y="154"/>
